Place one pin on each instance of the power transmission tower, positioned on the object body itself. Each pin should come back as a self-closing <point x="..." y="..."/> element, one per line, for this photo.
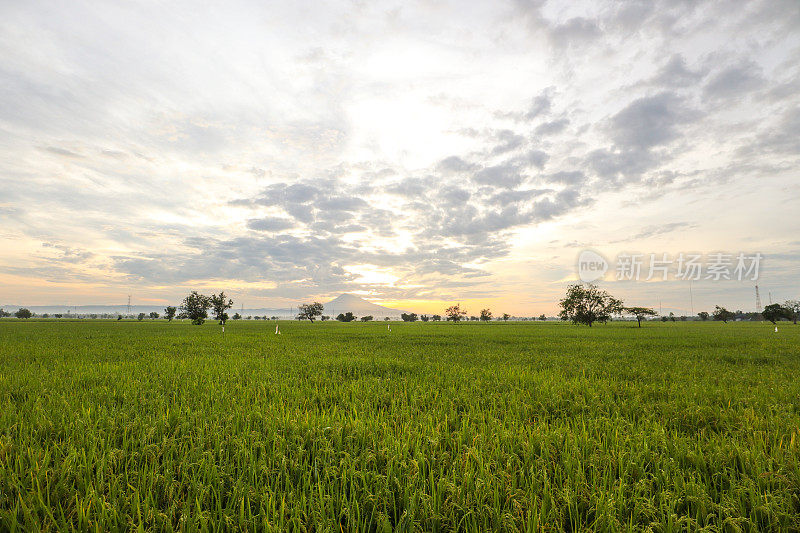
<point x="758" y="301"/>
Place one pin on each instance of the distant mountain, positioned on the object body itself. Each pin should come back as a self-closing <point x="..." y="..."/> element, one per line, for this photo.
<point x="359" y="307"/>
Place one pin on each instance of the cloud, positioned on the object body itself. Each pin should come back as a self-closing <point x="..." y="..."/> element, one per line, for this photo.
<point x="675" y="73"/>
<point x="508" y="141"/>
<point x="454" y="165"/>
<point x="498" y="176"/>
<point x="574" y="32"/>
<point x="650" y="121"/>
<point x="270" y="224"/>
<point x="552" y="127"/>
<point x="734" y="80"/>
<point x="57" y="150"/>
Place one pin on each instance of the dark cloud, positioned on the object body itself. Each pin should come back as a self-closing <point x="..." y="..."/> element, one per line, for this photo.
<point x="675" y="73"/>
<point x="552" y="127"/>
<point x="508" y="141"/>
<point x="576" y="31"/>
<point x="651" y="121"/>
<point x="57" y="150"/>
<point x="506" y="175"/>
<point x="540" y="105"/>
<point x="734" y="81"/>
<point x="574" y="177"/>
<point x="270" y="224"/>
<point x="454" y="165"/>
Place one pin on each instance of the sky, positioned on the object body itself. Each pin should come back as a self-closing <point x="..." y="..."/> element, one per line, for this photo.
<point x="413" y="153"/>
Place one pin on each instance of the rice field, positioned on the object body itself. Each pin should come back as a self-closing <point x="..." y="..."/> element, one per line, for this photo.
<point x="155" y="426"/>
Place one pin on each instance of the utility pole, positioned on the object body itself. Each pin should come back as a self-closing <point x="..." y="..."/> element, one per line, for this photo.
<point x="129" y="305"/>
<point x="758" y="301"/>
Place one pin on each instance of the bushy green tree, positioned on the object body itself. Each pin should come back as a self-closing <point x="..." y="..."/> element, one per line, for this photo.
<point x="587" y="304"/>
<point x="169" y="313"/>
<point x="195" y="307"/>
<point x="366" y="318"/>
<point x="640" y="313"/>
<point x="219" y="305"/>
<point x="310" y="311"/>
<point x="409" y="317"/>
<point x="794" y="307"/>
<point x="775" y="312"/>
<point x="720" y="313"/>
<point x="703" y="315"/>
<point x="346" y="317"/>
<point x="486" y="315"/>
<point x="23" y="312"/>
<point x="455" y="313"/>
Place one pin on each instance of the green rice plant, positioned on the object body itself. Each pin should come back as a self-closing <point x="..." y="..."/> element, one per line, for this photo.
<point x="152" y="426"/>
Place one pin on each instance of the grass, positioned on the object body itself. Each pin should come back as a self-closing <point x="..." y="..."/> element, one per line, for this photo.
<point x="345" y="427"/>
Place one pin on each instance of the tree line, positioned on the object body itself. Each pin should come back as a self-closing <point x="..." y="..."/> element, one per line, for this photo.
<point x="587" y="304"/>
<point x="583" y="304"/>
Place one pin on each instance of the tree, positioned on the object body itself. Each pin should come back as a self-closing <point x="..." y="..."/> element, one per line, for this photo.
<point x="23" y="312"/>
<point x="169" y="313"/>
<point x="195" y="307"/>
<point x="775" y="312"/>
<point x="703" y="315"/>
<point x="324" y="318"/>
<point x="386" y="318"/>
<point x="153" y="315"/>
<point x="236" y="316"/>
<point x="140" y="317"/>
<point x="119" y="317"/>
<point x="586" y="304"/>
<point x="720" y="313"/>
<point x="672" y="316"/>
<point x="640" y="313"/>
<point x="455" y="313"/>
<point x="506" y="316"/>
<point x="542" y="317"/>
<point x="4" y="313"/>
<point x="486" y="315"/>
<point x="310" y="311"/>
<point x="366" y="318"/>
<point x="794" y="307"/>
<point x="219" y="304"/>
<point x="346" y="317"/>
<point x="436" y="318"/>
<point x="424" y="318"/>
<point x="408" y="317"/>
